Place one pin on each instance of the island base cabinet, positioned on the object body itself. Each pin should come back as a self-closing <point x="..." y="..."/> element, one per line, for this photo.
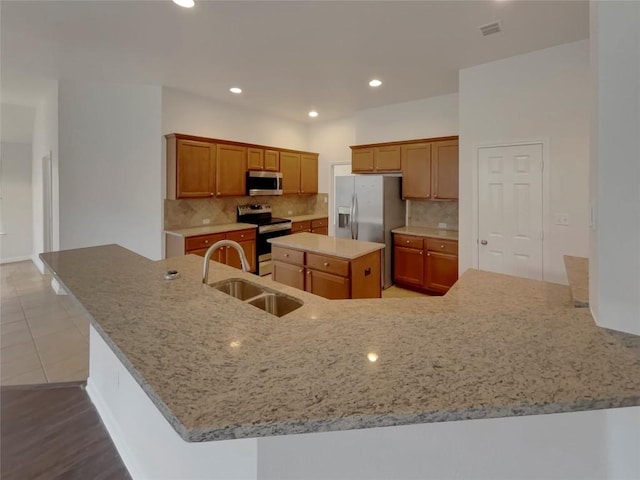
<point x="288" y="274"/>
<point x="327" y="285"/>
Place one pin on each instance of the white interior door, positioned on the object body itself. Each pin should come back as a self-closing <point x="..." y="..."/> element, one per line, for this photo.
<point x="510" y="230"/>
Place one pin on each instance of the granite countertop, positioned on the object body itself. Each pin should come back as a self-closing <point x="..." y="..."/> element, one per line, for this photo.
<point x="337" y="247"/>
<point x="427" y="232"/>
<point x="209" y="229"/>
<point x="578" y="275"/>
<point x="306" y="218"/>
<point x="218" y="368"/>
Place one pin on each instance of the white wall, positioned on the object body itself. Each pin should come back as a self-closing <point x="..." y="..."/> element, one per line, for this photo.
<point x="45" y="140"/>
<point x="614" y="265"/>
<point x="16" y="224"/>
<point x="332" y="140"/>
<point x="426" y="118"/>
<point x="111" y="166"/>
<point x="184" y="112"/>
<point x="540" y="96"/>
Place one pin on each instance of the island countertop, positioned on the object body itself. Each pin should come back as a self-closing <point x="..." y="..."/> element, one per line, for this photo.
<point x="218" y="368"/>
<point x="337" y="247"/>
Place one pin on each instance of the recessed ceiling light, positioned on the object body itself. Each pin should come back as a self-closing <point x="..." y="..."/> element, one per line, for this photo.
<point x="185" y="3"/>
<point x="375" y="83"/>
<point x="313" y="114"/>
<point x="235" y="90"/>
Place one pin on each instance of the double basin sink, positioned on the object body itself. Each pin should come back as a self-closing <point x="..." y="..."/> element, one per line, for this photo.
<point x="270" y="301"/>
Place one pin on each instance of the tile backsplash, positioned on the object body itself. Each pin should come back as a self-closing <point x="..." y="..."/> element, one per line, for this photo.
<point x="187" y="213"/>
<point x="426" y="213"/>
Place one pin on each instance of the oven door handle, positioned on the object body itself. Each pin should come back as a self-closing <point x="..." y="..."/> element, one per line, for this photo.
<point x="274" y="228"/>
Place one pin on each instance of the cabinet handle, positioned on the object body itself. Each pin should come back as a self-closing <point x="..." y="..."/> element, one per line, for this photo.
<point x="286" y="254"/>
<point x="441" y="246"/>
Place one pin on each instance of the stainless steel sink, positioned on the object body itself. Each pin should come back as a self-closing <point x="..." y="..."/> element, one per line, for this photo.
<point x="276" y="303"/>
<point x="239" y="288"/>
<point x="264" y="298"/>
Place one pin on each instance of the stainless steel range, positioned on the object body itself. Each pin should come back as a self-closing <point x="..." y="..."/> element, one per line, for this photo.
<point x="268" y="227"/>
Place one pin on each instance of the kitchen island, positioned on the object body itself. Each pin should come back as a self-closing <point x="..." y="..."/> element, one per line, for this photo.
<point x="334" y="268"/>
<point x="175" y="364"/>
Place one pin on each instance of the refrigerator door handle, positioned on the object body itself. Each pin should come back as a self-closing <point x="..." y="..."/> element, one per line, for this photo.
<point x="352" y="215"/>
<point x="355" y="214"/>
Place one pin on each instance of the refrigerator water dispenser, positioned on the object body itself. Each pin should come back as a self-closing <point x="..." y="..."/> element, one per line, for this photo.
<point x="343" y="217"/>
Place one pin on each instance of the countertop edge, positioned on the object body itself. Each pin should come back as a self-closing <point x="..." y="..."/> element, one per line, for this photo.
<point x="226" y="227"/>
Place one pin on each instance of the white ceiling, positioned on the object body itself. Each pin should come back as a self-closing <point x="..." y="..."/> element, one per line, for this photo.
<point x="288" y="56"/>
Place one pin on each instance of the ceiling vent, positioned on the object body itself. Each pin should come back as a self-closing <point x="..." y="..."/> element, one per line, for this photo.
<point x="491" y="28"/>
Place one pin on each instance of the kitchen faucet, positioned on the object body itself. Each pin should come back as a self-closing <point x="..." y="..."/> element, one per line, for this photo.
<point x="223" y="243"/>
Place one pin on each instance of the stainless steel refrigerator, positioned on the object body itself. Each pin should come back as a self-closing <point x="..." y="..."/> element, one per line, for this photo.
<point x="368" y="207"/>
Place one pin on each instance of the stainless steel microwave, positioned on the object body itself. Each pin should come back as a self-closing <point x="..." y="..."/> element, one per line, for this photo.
<point x="264" y="183"/>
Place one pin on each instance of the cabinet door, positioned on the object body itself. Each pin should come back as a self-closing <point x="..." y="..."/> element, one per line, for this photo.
<point x="387" y="158"/>
<point x="231" y="171"/>
<point x="442" y="271"/>
<point x="255" y="159"/>
<point x="320" y="230"/>
<point x="408" y="266"/>
<point x="416" y="170"/>
<point x="327" y="285"/>
<point x="220" y="255"/>
<point x="308" y="173"/>
<point x="444" y="157"/>
<point x="195" y="169"/>
<point x="292" y="275"/>
<point x="249" y="247"/>
<point x="290" y="168"/>
<point x="272" y="160"/>
<point x="362" y="160"/>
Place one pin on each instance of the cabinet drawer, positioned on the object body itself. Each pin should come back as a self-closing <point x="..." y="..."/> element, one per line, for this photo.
<point x="328" y="264"/>
<point x="408" y="241"/>
<point x="287" y="255"/>
<point x="320" y="222"/>
<point x="242" y="235"/>
<point x="297" y="227"/>
<point x="444" y="246"/>
<point x="202" y="241"/>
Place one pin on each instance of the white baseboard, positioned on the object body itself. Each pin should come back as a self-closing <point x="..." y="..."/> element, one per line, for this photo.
<point x="115" y="432"/>
<point x="15" y="259"/>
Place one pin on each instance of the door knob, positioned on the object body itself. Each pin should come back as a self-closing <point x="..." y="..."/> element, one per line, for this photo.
<point x="483" y="242"/>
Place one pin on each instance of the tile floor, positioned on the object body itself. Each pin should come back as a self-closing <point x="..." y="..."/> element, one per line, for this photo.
<point x="44" y="337"/>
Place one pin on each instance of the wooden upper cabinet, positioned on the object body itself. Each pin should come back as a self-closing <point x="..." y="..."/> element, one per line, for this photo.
<point x="387" y="158"/>
<point x="231" y="170"/>
<point x="290" y="168"/>
<point x="255" y="158"/>
<point x="308" y="173"/>
<point x="445" y="169"/>
<point x="272" y="160"/>
<point x="416" y="170"/>
<point x="362" y="160"/>
<point x="191" y="168"/>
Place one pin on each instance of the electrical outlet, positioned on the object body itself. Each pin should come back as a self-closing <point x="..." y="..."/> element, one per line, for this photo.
<point x="562" y="219"/>
<point x="442" y="225"/>
<point x="206" y="221"/>
<point x="290" y="212"/>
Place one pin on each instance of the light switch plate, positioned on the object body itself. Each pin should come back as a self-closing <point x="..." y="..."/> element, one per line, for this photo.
<point x="442" y="225"/>
<point x="562" y="219"/>
<point x="206" y="221"/>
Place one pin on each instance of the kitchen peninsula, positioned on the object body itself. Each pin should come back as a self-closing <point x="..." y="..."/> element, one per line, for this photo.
<point x="175" y="364"/>
<point x="335" y="268"/>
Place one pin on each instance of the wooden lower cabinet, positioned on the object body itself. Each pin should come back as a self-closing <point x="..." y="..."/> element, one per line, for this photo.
<point x="425" y="263"/>
<point x="327" y="285"/>
<point x="199" y="244"/>
<point x="298" y="227"/>
<point x="289" y="274"/>
<point x="320" y="226"/>
<point x="328" y="276"/>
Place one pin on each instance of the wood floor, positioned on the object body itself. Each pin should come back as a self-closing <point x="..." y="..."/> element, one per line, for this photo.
<point x="54" y="432"/>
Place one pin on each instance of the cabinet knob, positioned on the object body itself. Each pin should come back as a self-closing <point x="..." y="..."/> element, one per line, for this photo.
<point x="326" y="264"/>
<point x="212" y="194"/>
<point x="218" y="193"/>
<point x="206" y="241"/>
<point x="435" y="195"/>
<point x="241" y="236"/>
<point x="408" y="241"/>
<point x="441" y="246"/>
<point x="428" y="254"/>
<point x="301" y="270"/>
<point x="286" y="254"/>
<point x="309" y="272"/>
<point x="420" y="252"/>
